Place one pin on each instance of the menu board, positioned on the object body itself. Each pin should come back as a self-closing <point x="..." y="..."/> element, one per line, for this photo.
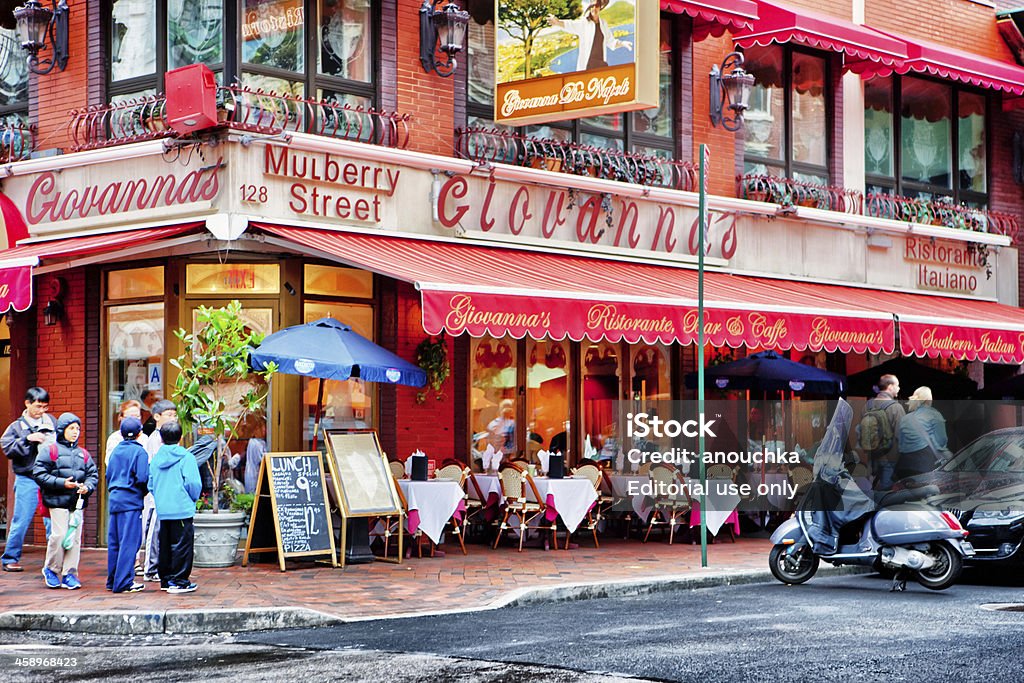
<point x="363" y="482"/>
<point x="291" y="503"/>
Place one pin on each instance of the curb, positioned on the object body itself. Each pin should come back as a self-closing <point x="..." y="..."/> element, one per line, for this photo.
<point x="241" y="620"/>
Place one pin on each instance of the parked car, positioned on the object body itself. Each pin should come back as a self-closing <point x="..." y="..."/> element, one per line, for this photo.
<point x="983" y="485"/>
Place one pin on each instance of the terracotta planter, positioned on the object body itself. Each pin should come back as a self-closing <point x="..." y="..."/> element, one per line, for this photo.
<point x="546" y="163"/>
<point x="217" y="538"/>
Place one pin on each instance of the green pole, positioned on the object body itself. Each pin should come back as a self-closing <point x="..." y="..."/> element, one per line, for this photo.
<point x="703" y="210"/>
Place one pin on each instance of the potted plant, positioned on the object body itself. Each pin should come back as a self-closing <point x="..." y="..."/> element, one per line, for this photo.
<point x="213" y="367"/>
<point x="432" y="356"/>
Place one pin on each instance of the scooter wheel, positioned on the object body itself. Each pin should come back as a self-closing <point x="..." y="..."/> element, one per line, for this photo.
<point x="945" y="571"/>
<point x="792" y="568"/>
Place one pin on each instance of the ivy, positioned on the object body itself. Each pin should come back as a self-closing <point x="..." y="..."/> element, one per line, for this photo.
<point x="432" y="358"/>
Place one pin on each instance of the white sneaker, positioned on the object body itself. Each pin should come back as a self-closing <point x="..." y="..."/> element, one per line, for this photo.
<point x="187" y="588"/>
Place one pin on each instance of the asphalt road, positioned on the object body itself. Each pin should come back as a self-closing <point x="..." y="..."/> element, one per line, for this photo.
<point x="848" y="628"/>
<point x="843" y="629"/>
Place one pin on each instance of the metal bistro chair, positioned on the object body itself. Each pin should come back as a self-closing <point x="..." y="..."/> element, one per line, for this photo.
<point x="515" y="484"/>
<point x="389" y="525"/>
<point x="666" y="505"/>
<point x="397" y="469"/>
<point x="722" y="472"/>
<point x="418" y="536"/>
<point x="455" y="473"/>
<point x="476" y="503"/>
<point x="591" y="473"/>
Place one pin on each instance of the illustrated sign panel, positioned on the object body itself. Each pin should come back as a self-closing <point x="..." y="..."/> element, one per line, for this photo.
<point x="364" y="481"/>
<point x="570" y="58"/>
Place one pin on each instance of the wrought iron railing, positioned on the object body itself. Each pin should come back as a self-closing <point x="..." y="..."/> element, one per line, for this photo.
<point x="17" y="141"/>
<point x="490" y="145"/>
<point x="239" y="108"/>
<point x="787" y="192"/>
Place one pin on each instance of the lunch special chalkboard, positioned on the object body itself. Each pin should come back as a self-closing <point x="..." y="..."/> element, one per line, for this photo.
<point x="291" y="501"/>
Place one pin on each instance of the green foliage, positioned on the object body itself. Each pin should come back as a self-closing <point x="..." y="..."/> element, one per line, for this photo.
<point x="214" y="367"/>
<point x="432" y="357"/>
<point x="243" y="502"/>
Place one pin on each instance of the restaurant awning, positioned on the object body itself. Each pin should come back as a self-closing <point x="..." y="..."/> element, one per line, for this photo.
<point x="946" y="62"/>
<point x="779" y="23"/>
<point x="16" y="264"/>
<point x="714" y="17"/>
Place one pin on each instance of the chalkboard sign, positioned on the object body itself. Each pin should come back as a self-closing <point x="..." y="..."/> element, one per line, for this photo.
<point x="364" y="484"/>
<point x="291" y="500"/>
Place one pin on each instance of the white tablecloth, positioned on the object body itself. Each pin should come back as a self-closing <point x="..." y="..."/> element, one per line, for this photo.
<point x="620" y="487"/>
<point x="435" y="501"/>
<point x="719" y="505"/>
<point x="571" y="497"/>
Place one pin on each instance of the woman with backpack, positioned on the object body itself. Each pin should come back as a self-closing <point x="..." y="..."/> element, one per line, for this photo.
<point x="922" y="436"/>
<point x="66" y="475"/>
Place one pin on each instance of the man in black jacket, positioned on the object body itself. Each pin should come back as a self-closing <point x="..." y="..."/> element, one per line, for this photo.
<point x="20" y="443"/>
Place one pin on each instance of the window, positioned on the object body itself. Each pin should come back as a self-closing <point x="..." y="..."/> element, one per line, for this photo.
<point x="787" y="122"/>
<point x="271" y="41"/>
<point x="921" y="152"/>
<point x="649" y="131"/>
<point x="13" y="85"/>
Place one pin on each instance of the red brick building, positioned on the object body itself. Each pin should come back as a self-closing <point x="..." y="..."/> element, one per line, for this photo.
<point x="874" y="190"/>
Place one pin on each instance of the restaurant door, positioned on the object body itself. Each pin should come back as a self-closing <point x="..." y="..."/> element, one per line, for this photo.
<point x="254" y="432"/>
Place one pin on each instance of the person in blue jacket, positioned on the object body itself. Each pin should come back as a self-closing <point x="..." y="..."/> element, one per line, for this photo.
<point x="127" y="484"/>
<point x="175" y="484"/>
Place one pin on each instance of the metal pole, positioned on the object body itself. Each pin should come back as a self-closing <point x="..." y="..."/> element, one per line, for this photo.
<point x="703" y="210"/>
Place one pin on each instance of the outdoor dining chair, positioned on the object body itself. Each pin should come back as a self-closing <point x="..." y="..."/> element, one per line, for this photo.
<point x="397" y="469"/>
<point x="591" y="473"/>
<point x="668" y="506"/>
<point x="516" y="485"/>
<point x="457" y="474"/>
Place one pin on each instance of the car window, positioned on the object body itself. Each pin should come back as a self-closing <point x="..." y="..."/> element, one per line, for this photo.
<point x="991" y="452"/>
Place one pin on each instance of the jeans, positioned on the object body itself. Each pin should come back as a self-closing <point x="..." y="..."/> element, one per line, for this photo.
<point x="26" y="500"/>
<point x="884" y="475"/>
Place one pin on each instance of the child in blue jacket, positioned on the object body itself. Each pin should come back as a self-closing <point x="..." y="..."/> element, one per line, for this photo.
<point x="127" y="481"/>
<point x="175" y="484"/>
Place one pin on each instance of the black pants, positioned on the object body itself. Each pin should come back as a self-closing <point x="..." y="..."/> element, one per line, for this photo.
<point x="176" y="540"/>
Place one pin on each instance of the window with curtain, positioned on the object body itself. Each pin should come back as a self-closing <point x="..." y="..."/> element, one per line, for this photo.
<point x="13" y="90"/>
<point x="602" y="385"/>
<point x="787" y="122"/>
<point x="492" y="396"/>
<point x="321" y="48"/>
<point x="935" y="147"/>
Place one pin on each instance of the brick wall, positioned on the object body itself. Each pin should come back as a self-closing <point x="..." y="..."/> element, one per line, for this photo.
<point x="723" y="143"/>
<point x="60" y="91"/>
<point x="957" y="23"/>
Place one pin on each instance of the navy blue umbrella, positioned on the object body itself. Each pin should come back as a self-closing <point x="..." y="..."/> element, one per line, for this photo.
<point x="329" y="349"/>
<point x="768" y="371"/>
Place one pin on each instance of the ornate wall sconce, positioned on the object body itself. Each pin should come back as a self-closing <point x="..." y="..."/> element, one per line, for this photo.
<point x="441" y="30"/>
<point x="730" y="90"/>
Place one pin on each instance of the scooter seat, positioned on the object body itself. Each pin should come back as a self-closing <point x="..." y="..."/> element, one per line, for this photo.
<point x="891" y="498"/>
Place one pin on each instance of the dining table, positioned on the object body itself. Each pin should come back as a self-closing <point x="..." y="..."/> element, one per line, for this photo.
<point x="623" y="483"/>
<point x="430" y="504"/>
<point x="569" y="498"/>
<point x="721" y="505"/>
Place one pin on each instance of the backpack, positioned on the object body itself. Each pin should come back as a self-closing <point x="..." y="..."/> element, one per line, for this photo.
<point x="875" y="431"/>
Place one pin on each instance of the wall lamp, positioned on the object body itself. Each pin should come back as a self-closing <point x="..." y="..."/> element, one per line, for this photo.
<point x="730" y="89"/>
<point x="37" y="26"/>
<point x="53" y="312"/>
<point x="441" y="30"/>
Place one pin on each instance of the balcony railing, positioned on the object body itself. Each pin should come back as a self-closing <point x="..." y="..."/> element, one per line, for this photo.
<point x="17" y="141"/>
<point x="786" y="192"/>
<point x="488" y="145"/>
<point x="239" y="108"/>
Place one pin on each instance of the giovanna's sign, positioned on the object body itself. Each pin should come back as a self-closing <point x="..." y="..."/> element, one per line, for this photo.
<point x="564" y="60"/>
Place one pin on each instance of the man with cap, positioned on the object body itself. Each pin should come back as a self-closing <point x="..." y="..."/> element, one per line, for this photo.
<point x="127" y="480"/>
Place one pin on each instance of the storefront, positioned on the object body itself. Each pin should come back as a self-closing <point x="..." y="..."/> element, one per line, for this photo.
<point x="556" y="295"/>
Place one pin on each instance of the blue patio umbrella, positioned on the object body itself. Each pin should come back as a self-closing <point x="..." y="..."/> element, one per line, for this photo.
<point x="768" y="371"/>
<point x="329" y="349"/>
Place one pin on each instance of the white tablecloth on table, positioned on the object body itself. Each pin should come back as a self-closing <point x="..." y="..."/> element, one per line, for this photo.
<point x="620" y="487"/>
<point x="570" y="497"/>
<point x="720" y="506"/>
<point x="435" y="501"/>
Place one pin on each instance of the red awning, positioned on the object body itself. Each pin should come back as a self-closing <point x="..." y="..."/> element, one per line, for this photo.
<point x="777" y="23"/>
<point x="947" y="62"/>
<point x="714" y="17"/>
<point x="16" y="264"/>
<point x="498" y="291"/>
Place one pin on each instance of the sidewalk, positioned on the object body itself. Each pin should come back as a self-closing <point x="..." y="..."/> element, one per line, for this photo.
<point x="260" y="596"/>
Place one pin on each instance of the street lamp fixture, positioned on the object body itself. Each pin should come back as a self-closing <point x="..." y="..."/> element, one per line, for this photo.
<point x="40" y="26"/>
<point x="730" y="92"/>
<point x="441" y="30"/>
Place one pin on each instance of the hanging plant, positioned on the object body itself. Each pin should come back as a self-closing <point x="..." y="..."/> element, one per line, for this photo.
<point x="432" y="357"/>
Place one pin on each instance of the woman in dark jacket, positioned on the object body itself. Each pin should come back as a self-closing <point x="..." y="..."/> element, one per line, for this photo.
<point x="66" y="474"/>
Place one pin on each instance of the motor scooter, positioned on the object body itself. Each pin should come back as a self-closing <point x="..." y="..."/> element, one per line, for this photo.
<point x="842" y="525"/>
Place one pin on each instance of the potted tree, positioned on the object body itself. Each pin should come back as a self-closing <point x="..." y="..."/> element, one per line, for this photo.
<point x="214" y="391"/>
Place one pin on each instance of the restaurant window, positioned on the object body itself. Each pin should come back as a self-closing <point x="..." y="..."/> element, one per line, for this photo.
<point x="787" y="122"/>
<point x="335" y="281"/>
<point x="134" y="329"/>
<point x="602" y="373"/>
<point x="921" y="153"/>
<point x="13" y="79"/>
<point x="650" y="131"/>
<point x="219" y="279"/>
<point x="548" y="378"/>
<point x="492" y="395"/>
<point x="320" y="48"/>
